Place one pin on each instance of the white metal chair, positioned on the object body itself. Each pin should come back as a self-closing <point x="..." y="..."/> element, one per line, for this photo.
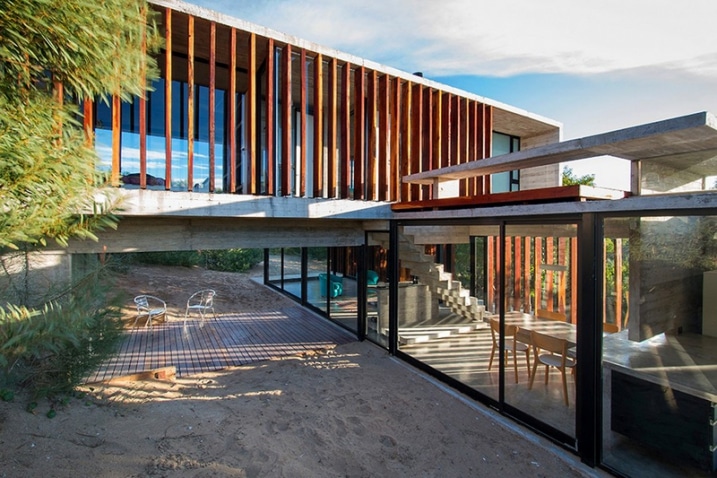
<point x="149" y="306"/>
<point x="201" y="302"/>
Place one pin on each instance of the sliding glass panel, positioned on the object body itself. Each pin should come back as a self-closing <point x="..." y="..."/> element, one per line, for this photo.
<point x="318" y="280"/>
<point x="440" y="322"/>
<point x="344" y="296"/>
<point x="377" y="299"/>
<point x="292" y="271"/>
<point x="660" y="346"/>
<point x="540" y="332"/>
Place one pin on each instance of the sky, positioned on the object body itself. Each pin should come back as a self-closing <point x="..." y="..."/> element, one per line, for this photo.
<point x="595" y="66"/>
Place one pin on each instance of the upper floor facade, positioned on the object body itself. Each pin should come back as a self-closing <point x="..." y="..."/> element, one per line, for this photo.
<point x="239" y="109"/>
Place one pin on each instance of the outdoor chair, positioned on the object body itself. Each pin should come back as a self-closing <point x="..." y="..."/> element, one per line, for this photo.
<point x="201" y="302"/>
<point x="511" y="345"/>
<point x="149" y="306"/>
<point x="556" y="356"/>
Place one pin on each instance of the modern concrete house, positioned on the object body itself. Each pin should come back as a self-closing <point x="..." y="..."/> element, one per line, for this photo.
<point x="416" y="215"/>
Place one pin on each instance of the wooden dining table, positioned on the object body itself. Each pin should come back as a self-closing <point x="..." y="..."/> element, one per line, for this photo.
<point x="554" y="328"/>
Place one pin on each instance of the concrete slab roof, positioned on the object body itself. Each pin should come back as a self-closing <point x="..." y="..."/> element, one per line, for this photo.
<point x="686" y="142"/>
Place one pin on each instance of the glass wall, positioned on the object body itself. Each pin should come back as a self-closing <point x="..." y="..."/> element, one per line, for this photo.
<point x="660" y="355"/>
<point x="156" y="145"/>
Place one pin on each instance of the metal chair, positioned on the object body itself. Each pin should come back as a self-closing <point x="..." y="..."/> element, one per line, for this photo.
<point x="201" y="302"/>
<point x="149" y="306"/>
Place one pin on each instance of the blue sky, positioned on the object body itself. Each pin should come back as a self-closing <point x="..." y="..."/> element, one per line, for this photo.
<point x="594" y="66"/>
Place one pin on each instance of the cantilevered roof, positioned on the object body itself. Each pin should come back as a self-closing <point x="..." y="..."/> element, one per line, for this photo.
<point x="686" y="142"/>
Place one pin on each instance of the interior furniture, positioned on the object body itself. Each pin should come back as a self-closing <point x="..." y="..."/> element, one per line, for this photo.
<point x="551" y="352"/>
<point x="371" y="277"/>
<point x="511" y="345"/>
<point x="150" y="307"/>
<point x="336" y="287"/>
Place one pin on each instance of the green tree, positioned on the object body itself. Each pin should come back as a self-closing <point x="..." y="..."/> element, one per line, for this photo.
<point x="570" y="179"/>
<point x="54" y="54"/>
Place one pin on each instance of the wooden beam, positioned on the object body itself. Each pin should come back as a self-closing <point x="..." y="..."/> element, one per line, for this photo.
<point x="383" y="129"/>
<point x="168" y="99"/>
<point x="212" y="101"/>
<point x="359" y="132"/>
<point x="116" y="139"/>
<point x="526" y="274"/>
<point x="233" y="110"/>
<point x="88" y="121"/>
<point x="287" y="106"/>
<point x="303" y="92"/>
<point x="190" y="102"/>
<point x="406" y="153"/>
<point x="251" y="119"/>
<point x="372" y="157"/>
<point x="437" y="130"/>
<point x="270" y="120"/>
<point x="428" y="140"/>
<point x="416" y="118"/>
<point x="345" y="134"/>
<point x="487" y="143"/>
<point x="395" y="158"/>
<point x="318" y="125"/>
<point x="332" y="130"/>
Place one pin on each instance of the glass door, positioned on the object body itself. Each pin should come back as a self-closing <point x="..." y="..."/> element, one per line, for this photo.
<point x="539" y="326"/>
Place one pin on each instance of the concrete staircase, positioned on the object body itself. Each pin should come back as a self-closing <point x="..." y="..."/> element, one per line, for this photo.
<point x="461" y="312"/>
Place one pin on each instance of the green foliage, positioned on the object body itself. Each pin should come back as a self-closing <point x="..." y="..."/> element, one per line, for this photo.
<point x="175" y="258"/>
<point x="51" y="349"/>
<point x="232" y="260"/>
<point x="570" y="179"/>
<point x="47" y="168"/>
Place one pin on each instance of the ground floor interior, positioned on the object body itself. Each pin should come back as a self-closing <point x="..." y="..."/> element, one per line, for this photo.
<point x="596" y="330"/>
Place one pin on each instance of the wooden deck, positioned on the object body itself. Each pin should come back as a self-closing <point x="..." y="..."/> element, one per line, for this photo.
<point x="229" y="340"/>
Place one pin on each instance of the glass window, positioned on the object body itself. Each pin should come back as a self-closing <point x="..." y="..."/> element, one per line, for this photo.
<point x="660" y="345"/>
<point x="508" y="180"/>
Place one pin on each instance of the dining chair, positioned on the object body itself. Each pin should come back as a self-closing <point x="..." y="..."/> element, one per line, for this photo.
<point x="511" y="345"/>
<point x="551" y="352"/>
<point x="201" y="302"/>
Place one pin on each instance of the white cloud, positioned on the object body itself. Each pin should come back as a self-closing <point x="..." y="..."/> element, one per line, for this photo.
<point x="501" y="38"/>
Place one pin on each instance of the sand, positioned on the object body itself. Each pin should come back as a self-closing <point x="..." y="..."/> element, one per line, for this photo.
<point x="352" y="411"/>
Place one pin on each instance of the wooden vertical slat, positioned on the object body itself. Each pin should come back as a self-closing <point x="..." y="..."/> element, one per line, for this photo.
<point x="517" y="274"/>
<point x="487" y="143"/>
<point x="318" y="125"/>
<point x="270" y="120"/>
<point x="428" y="140"/>
<point x="446" y="128"/>
<point x="190" y="102"/>
<point x="406" y="152"/>
<point x="508" y="272"/>
<point x="561" y="275"/>
<point x="359" y="132"/>
<point x="437" y="131"/>
<point x="537" y="259"/>
<point x="142" y="107"/>
<point x="233" y="110"/>
<point x="416" y="158"/>
<point x="383" y="129"/>
<point x="212" y="101"/>
<point x="491" y="263"/>
<point x="371" y="115"/>
<point x="573" y="280"/>
<point x="286" y="110"/>
<point x="549" y="287"/>
<point x="168" y="99"/>
<point x="88" y="121"/>
<point x="345" y="156"/>
<point x="250" y="118"/>
<point x="394" y="175"/>
<point x="618" y="281"/>
<point x="527" y="263"/>
<point x="116" y="139"/>
<point x="332" y="129"/>
<point x="303" y="89"/>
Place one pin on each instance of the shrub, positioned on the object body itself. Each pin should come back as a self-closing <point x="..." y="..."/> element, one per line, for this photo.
<point x="50" y="350"/>
<point x="232" y="260"/>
